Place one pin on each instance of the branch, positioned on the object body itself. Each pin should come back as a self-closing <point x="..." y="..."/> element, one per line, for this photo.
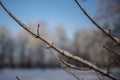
<point x="72" y="66"/>
<point x="98" y="26"/>
<point x="62" y="52"/>
<point x="66" y="68"/>
<point x="111" y="51"/>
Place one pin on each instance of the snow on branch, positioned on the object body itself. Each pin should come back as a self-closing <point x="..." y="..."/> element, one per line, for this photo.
<point x="62" y="52"/>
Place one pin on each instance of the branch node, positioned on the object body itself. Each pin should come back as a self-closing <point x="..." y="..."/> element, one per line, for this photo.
<point x="49" y="46"/>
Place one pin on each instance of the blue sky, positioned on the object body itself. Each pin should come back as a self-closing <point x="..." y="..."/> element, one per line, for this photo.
<point x="52" y="12"/>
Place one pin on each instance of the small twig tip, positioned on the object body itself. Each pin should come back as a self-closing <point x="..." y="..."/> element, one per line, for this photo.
<point x="17" y="78"/>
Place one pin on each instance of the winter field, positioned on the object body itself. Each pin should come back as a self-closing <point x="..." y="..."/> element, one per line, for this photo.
<point x="49" y="74"/>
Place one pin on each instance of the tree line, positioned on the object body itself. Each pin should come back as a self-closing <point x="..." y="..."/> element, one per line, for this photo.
<point x="21" y="50"/>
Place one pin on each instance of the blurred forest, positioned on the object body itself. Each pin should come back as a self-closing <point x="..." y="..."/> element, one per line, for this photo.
<point x="23" y="51"/>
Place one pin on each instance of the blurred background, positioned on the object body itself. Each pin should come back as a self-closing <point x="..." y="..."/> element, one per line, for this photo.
<point x="62" y="23"/>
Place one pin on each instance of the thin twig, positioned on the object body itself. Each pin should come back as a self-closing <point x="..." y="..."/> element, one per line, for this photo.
<point x="72" y="73"/>
<point x="72" y="66"/>
<point x="64" y="67"/>
<point x="62" y="52"/>
<point x="109" y="65"/>
<point x="100" y="77"/>
<point x="111" y="50"/>
<point x="68" y="70"/>
<point x="17" y="78"/>
<point x="38" y="30"/>
<point x="98" y="26"/>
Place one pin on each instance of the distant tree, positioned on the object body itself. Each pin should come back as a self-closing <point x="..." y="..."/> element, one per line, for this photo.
<point x="11" y="52"/>
<point x="38" y="46"/>
<point x="22" y="41"/>
<point x="6" y="47"/>
<point x="62" y="39"/>
<point x="80" y="43"/>
<point x="86" y="44"/>
<point x="36" y="52"/>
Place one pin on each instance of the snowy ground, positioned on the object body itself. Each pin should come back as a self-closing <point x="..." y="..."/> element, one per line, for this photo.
<point x="48" y="74"/>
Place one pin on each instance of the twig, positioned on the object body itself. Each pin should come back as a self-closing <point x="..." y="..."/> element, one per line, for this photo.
<point x="72" y="73"/>
<point x="111" y="51"/>
<point x="68" y="69"/>
<point x="98" y="26"/>
<point x="72" y="66"/>
<point x="64" y="67"/>
<point x="64" y="53"/>
<point x="38" y="30"/>
<point x="17" y="78"/>
<point x="109" y="65"/>
<point x="100" y="77"/>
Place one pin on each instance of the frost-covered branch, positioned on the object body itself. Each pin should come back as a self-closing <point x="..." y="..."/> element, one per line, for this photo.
<point x="73" y="66"/>
<point x="62" y="52"/>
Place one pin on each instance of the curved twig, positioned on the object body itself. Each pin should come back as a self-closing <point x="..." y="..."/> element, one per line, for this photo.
<point x="73" y="67"/>
<point x="66" y="68"/>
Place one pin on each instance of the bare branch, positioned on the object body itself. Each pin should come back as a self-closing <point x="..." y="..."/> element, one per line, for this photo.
<point x="72" y="66"/>
<point x="64" y="53"/>
<point x="18" y="21"/>
<point x="98" y="26"/>
<point x="111" y="51"/>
